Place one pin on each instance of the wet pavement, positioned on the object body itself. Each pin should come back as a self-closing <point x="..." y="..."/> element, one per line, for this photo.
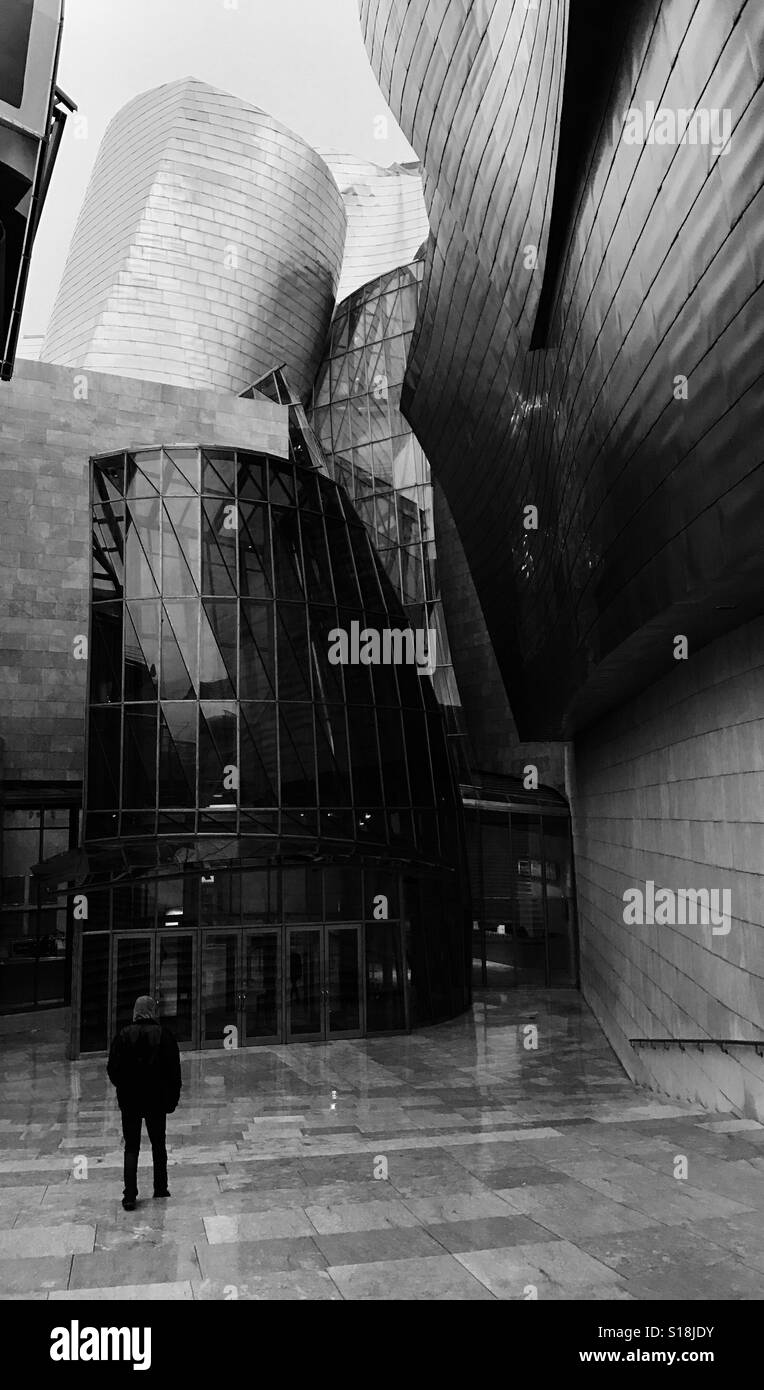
<point x="460" y="1162"/>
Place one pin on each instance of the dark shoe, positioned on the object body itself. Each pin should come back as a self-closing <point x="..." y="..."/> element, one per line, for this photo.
<point x="128" y="1203"/>
<point x="163" y="1194"/>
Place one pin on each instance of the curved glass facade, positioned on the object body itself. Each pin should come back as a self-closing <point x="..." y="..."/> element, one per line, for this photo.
<point x="237" y="774"/>
<point x="375" y="455"/>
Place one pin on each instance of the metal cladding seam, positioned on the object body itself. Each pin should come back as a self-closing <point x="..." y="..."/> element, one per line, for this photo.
<point x="647" y="503"/>
<point x="208" y="248"/>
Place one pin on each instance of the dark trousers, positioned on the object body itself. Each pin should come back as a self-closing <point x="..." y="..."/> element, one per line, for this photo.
<point x="156" y="1125"/>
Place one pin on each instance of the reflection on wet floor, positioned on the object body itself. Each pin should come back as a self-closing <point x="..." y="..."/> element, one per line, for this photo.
<point x="459" y="1162"/>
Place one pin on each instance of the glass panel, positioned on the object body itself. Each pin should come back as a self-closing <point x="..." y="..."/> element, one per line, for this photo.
<point x="395" y="357"/>
<point x="342" y="894"/>
<point x="21" y="849"/>
<point x="143" y="470"/>
<point x="327" y="675"/>
<point x="316" y="560"/>
<point x="218" y="757"/>
<point x="393" y="756"/>
<point x="142" y="550"/>
<point x="106" y="653"/>
<point x="108" y="551"/>
<point x="220" y="903"/>
<point x="298" y="772"/>
<point x="281" y="484"/>
<point x="220" y="541"/>
<point x="364" y="757"/>
<point x="139" y="757"/>
<point x="134" y="905"/>
<point x="174" y="991"/>
<point x="287" y="554"/>
<point x="332" y="753"/>
<point x="343" y="569"/>
<point x="417" y="756"/>
<point x="109" y="478"/>
<point x="133" y="976"/>
<point x="304" y="984"/>
<point x="103" y="759"/>
<point x="180" y="624"/>
<point x="308" y="491"/>
<point x="180" y="547"/>
<point x="219" y="1001"/>
<point x="385" y="1009"/>
<point x="98" y="912"/>
<point x="218" y="472"/>
<point x="95" y="994"/>
<point x="257" y="672"/>
<point x="180" y="472"/>
<point x="260" y="895"/>
<point x="301" y="888"/>
<point x="258" y="758"/>
<point x="293" y="653"/>
<point x="177" y="754"/>
<point x="141" y="650"/>
<point x="262" y="986"/>
<point x="360" y="428"/>
<point x="252" y="479"/>
<point x="343" y="980"/>
<point x="176" y="901"/>
<point x="217" y="649"/>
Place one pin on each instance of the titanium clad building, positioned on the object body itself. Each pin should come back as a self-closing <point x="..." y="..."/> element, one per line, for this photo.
<point x="208" y="247"/>
<point x="586" y="381"/>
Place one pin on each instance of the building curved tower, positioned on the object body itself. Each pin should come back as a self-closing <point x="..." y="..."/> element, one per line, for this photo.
<point x="284" y="824"/>
<point x="208" y="247"/>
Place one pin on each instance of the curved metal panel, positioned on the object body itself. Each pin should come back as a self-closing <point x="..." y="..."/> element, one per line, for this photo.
<point x="387" y="218"/>
<point x="208" y="248"/>
<point x="647" y="498"/>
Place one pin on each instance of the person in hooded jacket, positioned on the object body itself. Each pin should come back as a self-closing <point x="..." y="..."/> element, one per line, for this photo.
<point x="144" y="1065"/>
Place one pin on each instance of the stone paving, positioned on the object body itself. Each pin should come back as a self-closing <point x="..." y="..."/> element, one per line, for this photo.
<point x="511" y="1173"/>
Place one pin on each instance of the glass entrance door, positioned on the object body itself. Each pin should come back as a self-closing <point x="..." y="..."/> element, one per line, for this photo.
<point x="305" y="990"/>
<point x="342" y="992"/>
<point x="323" y="995"/>
<point x="261" y="986"/>
<point x="220" y="989"/>
<point x="174" y="984"/>
<point x="160" y="964"/>
<point x="241" y="987"/>
<point x="131" y="967"/>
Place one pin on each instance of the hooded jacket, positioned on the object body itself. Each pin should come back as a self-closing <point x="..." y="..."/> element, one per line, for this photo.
<point x="144" y="1065"/>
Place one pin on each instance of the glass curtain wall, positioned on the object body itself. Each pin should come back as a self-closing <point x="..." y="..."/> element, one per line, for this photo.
<point x="523" y="897"/>
<point x="222" y="737"/>
<point x="214" y="707"/>
<point x="374" y="454"/>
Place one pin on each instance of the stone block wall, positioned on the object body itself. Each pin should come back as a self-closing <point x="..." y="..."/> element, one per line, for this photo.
<point x="670" y="788"/>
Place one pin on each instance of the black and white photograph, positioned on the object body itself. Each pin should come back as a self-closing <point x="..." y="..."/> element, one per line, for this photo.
<point x="381" y="672"/>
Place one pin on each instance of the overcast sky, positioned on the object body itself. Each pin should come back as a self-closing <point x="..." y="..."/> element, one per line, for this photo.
<point x="303" y="61"/>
